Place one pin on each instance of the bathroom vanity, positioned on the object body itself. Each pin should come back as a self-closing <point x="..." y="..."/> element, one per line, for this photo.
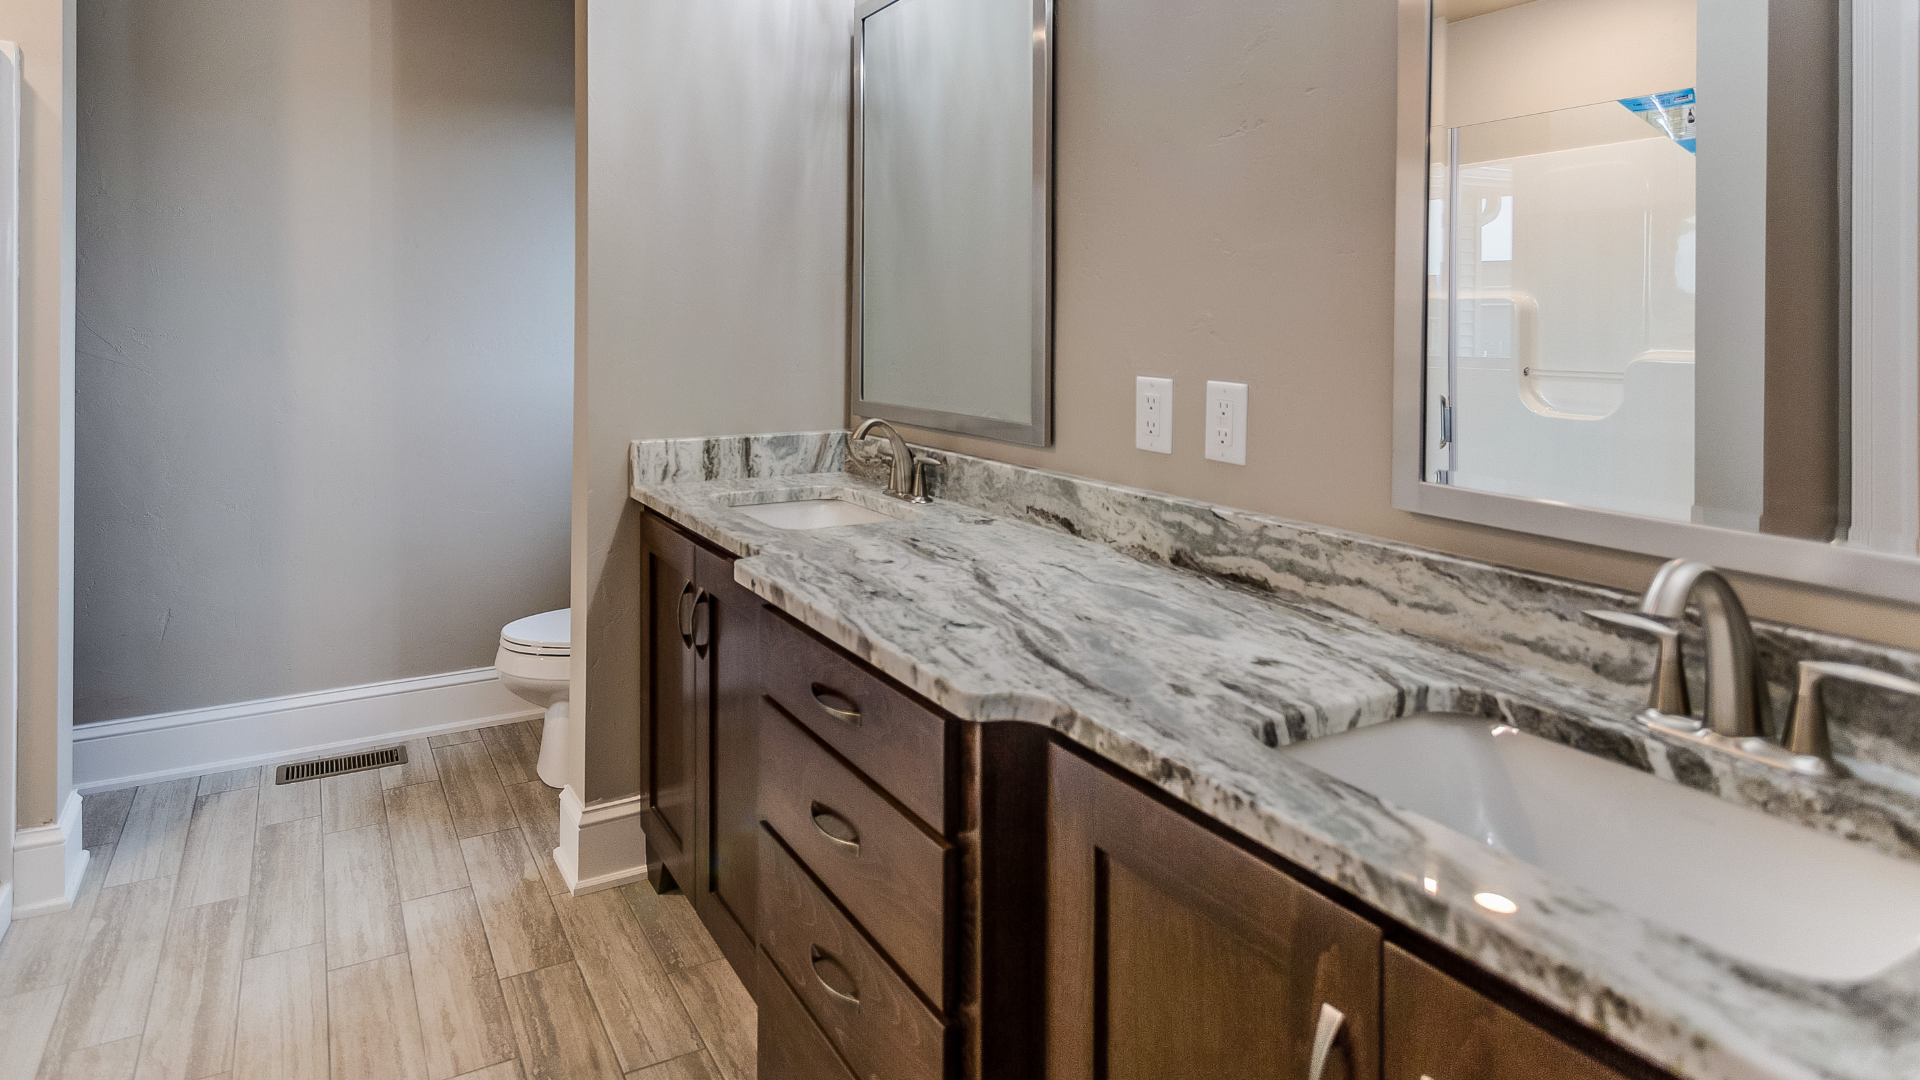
<point x="1017" y="784"/>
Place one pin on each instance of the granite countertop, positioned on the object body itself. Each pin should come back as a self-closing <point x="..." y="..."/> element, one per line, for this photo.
<point x="1184" y="643"/>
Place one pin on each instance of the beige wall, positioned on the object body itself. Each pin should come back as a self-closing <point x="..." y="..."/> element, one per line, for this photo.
<point x="44" y="30"/>
<point x="712" y="239"/>
<point x="1225" y="211"/>
<point x="1562" y="54"/>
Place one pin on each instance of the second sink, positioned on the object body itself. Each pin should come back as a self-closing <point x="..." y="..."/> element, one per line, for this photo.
<point x="1760" y="889"/>
<point x="816" y="508"/>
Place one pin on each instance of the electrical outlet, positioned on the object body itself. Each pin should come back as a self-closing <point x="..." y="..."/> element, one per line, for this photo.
<point x="1153" y="415"/>
<point x="1227" y="422"/>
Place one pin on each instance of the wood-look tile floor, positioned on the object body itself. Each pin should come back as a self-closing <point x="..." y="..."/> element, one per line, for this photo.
<point x="401" y="924"/>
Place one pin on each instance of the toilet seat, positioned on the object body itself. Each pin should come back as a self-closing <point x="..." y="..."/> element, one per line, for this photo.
<point x="549" y="633"/>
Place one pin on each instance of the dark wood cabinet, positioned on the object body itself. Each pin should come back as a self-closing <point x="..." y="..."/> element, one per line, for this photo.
<point x="1439" y="1029"/>
<point x="1174" y="952"/>
<point x="678" y="640"/>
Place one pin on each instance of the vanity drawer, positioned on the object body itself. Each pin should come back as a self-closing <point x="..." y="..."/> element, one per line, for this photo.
<point x="896" y="742"/>
<point x="883" y="867"/>
<point x="868" y="1012"/>
<point x="791" y="1046"/>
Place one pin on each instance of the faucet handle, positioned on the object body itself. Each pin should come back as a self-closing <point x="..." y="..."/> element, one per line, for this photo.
<point x="1668" y="695"/>
<point x="1806" y="733"/>
<point x="922" y="461"/>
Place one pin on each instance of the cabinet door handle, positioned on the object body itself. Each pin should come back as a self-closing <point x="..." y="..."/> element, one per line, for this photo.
<point x="683" y="614"/>
<point x="850" y="714"/>
<point x="700" y="623"/>
<point x="836" y="828"/>
<point x="824" y="959"/>
<point x="1325" y="1031"/>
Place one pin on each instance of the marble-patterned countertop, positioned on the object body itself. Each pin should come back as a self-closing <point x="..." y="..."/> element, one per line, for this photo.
<point x="1190" y="680"/>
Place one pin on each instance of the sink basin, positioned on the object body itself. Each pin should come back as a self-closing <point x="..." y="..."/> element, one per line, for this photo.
<point x="808" y="510"/>
<point x="1757" y="888"/>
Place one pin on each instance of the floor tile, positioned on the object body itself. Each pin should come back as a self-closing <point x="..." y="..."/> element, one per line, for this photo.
<point x="103" y="815"/>
<point x="560" y="1036"/>
<point x="373" y="1024"/>
<point x="674" y="931"/>
<point x="695" y="1066"/>
<point x="110" y="988"/>
<point x="537" y="807"/>
<point x="724" y="1014"/>
<point x="463" y="1020"/>
<point x="426" y="853"/>
<point x="26" y="1019"/>
<point x="190" y="1025"/>
<point x="522" y="930"/>
<point x="506" y="1070"/>
<point x="515" y="752"/>
<point x="283" y="1016"/>
<point x="351" y="801"/>
<point x="454" y="738"/>
<point x="419" y="768"/>
<point x="233" y="780"/>
<point x="362" y="900"/>
<point x="630" y="987"/>
<point x="474" y="794"/>
<point x="155" y="835"/>
<point x="287" y="888"/>
<point x="218" y="863"/>
<point x="42" y="951"/>
<point x="111" y="1061"/>
<point x="288" y="802"/>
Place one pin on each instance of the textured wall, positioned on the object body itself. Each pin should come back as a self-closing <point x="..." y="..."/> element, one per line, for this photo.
<point x="325" y="340"/>
<point x="1225" y="211"/>
<point x="714" y="293"/>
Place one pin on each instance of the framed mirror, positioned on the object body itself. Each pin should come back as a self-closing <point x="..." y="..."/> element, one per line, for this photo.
<point x="1659" y="278"/>
<point x="952" y="205"/>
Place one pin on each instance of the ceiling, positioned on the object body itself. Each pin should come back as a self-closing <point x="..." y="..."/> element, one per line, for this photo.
<point x="1456" y="10"/>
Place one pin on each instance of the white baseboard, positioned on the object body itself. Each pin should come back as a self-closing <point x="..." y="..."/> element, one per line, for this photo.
<point x="166" y="746"/>
<point x="6" y="907"/>
<point x="48" y="863"/>
<point x="601" y="846"/>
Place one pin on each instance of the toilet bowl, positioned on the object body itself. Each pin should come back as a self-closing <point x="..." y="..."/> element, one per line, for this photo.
<point x="534" y="662"/>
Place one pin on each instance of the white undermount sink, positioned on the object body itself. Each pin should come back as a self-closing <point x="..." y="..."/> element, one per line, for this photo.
<point x="1760" y="889"/>
<point x="813" y="509"/>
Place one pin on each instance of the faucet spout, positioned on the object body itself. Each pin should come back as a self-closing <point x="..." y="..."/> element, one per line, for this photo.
<point x="900" y="481"/>
<point x="1736" y="697"/>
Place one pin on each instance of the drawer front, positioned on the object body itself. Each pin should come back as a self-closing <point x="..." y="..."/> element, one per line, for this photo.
<point x="868" y="1012"/>
<point x="877" y="862"/>
<point x="791" y="1047"/>
<point x="899" y="744"/>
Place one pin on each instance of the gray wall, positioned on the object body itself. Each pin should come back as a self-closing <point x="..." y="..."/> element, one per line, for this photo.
<point x="325" y="339"/>
<point x="713" y="239"/>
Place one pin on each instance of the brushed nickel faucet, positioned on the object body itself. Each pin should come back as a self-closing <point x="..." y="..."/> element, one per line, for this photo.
<point x="907" y="477"/>
<point x="1737" y="701"/>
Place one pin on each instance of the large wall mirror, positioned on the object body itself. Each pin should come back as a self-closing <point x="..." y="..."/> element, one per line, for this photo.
<point x="1660" y="278"/>
<point x="952" y="201"/>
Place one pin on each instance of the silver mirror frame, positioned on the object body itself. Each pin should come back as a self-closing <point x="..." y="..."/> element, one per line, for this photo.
<point x="1882" y="574"/>
<point x="1039" y="432"/>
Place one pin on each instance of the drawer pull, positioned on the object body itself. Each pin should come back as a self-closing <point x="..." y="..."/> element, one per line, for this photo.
<point x="683" y="613"/>
<point x="836" y="828"/>
<point x="1324" y="1034"/>
<point x="836" y="704"/>
<point x="824" y="965"/>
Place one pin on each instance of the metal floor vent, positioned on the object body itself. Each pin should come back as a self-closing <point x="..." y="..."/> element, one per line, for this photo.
<point x="345" y="763"/>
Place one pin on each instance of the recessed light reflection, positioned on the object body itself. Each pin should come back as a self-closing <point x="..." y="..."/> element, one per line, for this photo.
<point x="1504" y="729"/>
<point x="1432" y="886"/>
<point x="1495" y="903"/>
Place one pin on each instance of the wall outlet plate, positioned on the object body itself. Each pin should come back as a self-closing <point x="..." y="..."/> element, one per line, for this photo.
<point x="1227" y="422"/>
<point x="1153" y="415"/>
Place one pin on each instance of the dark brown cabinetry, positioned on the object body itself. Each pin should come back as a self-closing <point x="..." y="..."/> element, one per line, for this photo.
<point x="679" y="684"/>
<point x="1439" y="1029"/>
<point x="1172" y="952"/>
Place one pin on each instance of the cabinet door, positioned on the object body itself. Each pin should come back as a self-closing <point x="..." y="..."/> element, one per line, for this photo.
<point x="675" y="689"/>
<point x="1439" y="1029"/>
<point x="726" y="899"/>
<point x="1175" y="953"/>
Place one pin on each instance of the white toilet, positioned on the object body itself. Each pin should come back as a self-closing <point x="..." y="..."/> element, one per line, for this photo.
<point x="533" y="661"/>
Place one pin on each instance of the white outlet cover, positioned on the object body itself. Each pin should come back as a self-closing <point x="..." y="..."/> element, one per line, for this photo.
<point x="1226" y="428"/>
<point x="1153" y="415"/>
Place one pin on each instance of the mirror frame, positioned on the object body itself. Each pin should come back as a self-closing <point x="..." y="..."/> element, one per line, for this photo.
<point x="1039" y="431"/>
<point x="1888" y="575"/>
